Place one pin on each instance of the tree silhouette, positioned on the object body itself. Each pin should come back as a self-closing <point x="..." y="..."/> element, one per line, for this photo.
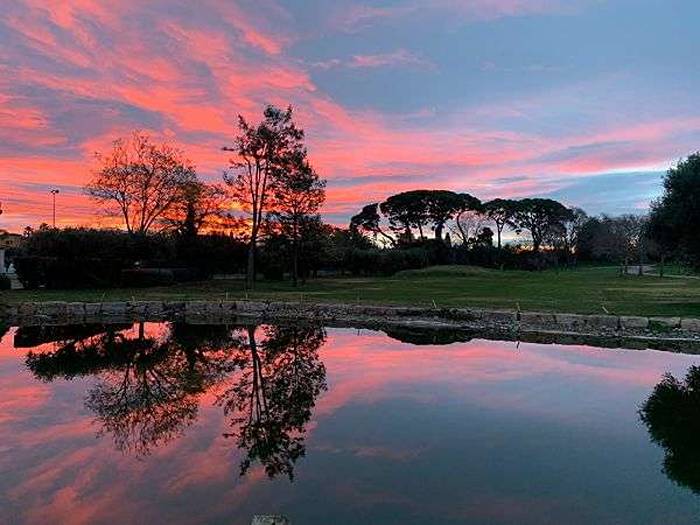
<point x="140" y="180"/>
<point x="298" y="196"/>
<point x="369" y="220"/>
<point x="501" y="212"/>
<point x="672" y="416"/>
<point x="261" y="153"/>
<point x="272" y="399"/>
<point x="540" y="218"/>
<point x="149" y="389"/>
<point x="675" y="215"/>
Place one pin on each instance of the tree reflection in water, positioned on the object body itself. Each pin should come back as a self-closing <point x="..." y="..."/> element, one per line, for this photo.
<point x="272" y="399"/>
<point x="672" y="416"/>
<point x="150" y="388"/>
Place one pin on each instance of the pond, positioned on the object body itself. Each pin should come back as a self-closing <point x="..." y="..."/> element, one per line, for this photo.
<point x="184" y="423"/>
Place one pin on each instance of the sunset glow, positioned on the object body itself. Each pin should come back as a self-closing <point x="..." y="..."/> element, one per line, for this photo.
<point x="587" y="101"/>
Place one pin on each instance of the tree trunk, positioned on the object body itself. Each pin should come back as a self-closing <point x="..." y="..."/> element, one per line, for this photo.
<point x="661" y="265"/>
<point x="295" y="263"/>
<point x="641" y="258"/>
<point x="250" y="275"/>
<point x="498" y="234"/>
<point x="438" y="232"/>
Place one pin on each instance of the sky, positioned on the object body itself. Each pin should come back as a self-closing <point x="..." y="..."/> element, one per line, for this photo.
<point x="586" y="101"/>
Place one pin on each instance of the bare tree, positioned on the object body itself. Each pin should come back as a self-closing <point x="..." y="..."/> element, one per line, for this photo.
<point x="572" y="227"/>
<point x="140" y="180"/>
<point x="261" y="153"/>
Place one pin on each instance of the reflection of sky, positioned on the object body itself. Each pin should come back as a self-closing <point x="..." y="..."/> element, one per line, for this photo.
<point x="494" y="97"/>
<point x="482" y="431"/>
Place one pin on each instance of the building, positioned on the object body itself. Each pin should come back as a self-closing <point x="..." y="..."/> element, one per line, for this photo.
<point x="9" y="240"/>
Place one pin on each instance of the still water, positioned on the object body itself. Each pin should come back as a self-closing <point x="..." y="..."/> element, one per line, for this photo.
<point x="177" y="423"/>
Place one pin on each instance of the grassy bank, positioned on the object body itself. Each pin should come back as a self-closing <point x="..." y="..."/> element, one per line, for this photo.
<point x="587" y="290"/>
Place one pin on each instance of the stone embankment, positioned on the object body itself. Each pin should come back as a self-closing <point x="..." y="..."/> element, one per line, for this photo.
<point x="369" y="315"/>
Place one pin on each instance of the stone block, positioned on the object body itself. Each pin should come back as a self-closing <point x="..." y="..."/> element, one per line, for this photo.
<point x="136" y="308"/>
<point x="214" y="309"/>
<point x="536" y="319"/>
<point x="196" y="307"/>
<point x="249" y="306"/>
<point x="465" y="314"/>
<point x="116" y="308"/>
<point x="499" y="317"/>
<point x="690" y="325"/>
<point x="27" y="309"/>
<point x="630" y="322"/>
<point x="570" y="321"/>
<point x="154" y="310"/>
<point x="664" y="322"/>
<point x="75" y="309"/>
<point x="228" y="307"/>
<point x="174" y="307"/>
<point x="603" y="321"/>
<point x="52" y="308"/>
<point x="92" y="309"/>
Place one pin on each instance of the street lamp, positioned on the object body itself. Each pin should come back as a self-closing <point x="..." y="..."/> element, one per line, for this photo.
<point x="54" y="192"/>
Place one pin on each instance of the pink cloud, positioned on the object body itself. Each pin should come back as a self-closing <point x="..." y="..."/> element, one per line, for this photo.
<point x="186" y="80"/>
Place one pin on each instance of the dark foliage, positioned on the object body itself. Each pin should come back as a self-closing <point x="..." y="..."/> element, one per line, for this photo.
<point x="674" y="217"/>
<point x="672" y="416"/>
<point x="91" y="258"/>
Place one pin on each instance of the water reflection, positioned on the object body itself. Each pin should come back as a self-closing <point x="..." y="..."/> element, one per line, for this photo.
<point x="150" y="387"/>
<point x="272" y="399"/>
<point x="672" y="416"/>
<point x="439" y="433"/>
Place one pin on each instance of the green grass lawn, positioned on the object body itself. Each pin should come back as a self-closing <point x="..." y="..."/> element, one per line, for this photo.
<point x="586" y="290"/>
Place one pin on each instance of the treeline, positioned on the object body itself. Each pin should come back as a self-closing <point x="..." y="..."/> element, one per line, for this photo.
<point x="544" y="232"/>
<point x="264" y="219"/>
<point x="97" y="258"/>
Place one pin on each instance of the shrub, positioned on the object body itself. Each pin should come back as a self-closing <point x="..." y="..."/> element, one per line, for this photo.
<point x="5" y="283"/>
<point x="210" y="254"/>
<point x="91" y="258"/>
<point x="67" y="272"/>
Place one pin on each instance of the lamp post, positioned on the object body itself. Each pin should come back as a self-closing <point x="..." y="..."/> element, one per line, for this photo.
<point x="54" y="192"/>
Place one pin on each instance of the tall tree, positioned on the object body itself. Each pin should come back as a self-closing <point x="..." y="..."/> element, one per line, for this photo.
<point x="140" y="180"/>
<point x="299" y="195"/>
<point x="407" y="210"/>
<point x="572" y="228"/>
<point x="468" y="218"/>
<point x="501" y="212"/>
<point x="442" y="205"/>
<point x="675" y="216"/>
<point x="369" y="220"/>
<point x="539" y="217"/>
<point x="261" y="154"/>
